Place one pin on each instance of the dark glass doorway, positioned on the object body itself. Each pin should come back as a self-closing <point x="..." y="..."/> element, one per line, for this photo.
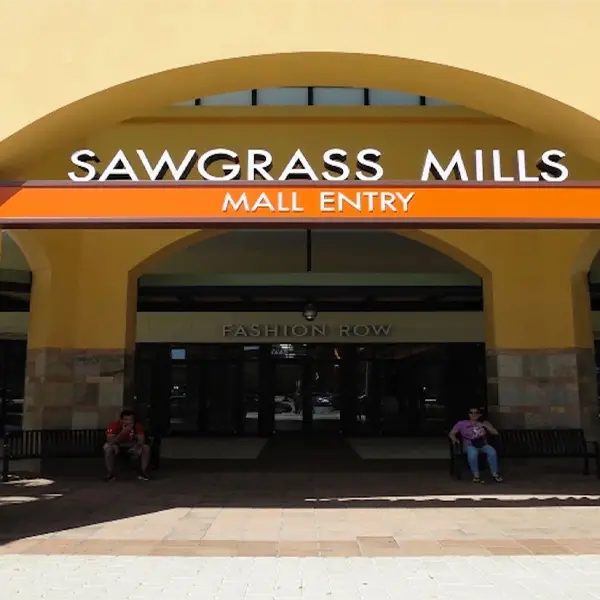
<point x="305" y="388"/>
<point x="13" y="355"/>
<point x="287" y="387"/>
<point x="379" y="389"/>
<point x="206" y="397"/>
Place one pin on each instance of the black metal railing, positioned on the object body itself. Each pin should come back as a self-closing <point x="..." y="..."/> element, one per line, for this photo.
<point x="537" y="443"/>
<point x="50" y="443"/>
<point x="60" y="443"/>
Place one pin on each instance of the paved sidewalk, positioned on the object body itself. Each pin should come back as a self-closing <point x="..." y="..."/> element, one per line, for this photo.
<point x="279" y="515"/>
<point x="282" y="536"/>
<point x="449" y="578"/>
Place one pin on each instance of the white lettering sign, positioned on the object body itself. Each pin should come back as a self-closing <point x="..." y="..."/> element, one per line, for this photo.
<point x="493" y="167"/>
<point x="223" y="165"/>
<point x="259" y="164"/>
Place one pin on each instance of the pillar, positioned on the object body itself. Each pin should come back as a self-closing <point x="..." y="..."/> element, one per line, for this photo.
<point x="81" y="335"/>
<point x="540" y="348"/>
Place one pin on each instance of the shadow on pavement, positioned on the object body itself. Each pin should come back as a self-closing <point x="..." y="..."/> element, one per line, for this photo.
<point x="72" y="498"/>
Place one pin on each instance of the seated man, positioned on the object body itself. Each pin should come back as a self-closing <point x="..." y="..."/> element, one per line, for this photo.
<point x="474" y="438"/>
<point x="126" y="436"/>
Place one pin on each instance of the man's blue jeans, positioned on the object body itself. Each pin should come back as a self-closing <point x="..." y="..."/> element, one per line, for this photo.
<point x="473" y="458"/>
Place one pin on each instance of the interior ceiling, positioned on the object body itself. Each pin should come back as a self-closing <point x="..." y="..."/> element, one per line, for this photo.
<point x="332" y="251"/>
<point x="11" y="256"/>
<point x="270" y="250"/>
<point x="595" y="269"/>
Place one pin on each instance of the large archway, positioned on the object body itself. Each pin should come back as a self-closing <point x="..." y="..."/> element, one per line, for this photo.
<point x="406" y="46"/>
<point x="196" y="376"/>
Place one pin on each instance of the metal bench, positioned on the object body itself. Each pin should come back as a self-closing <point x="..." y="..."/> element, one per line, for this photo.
<point x="58" y="443"/>
<point x="534" y="443"/>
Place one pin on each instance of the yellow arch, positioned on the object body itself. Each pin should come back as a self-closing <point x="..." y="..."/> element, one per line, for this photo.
<point x="492" y="56"/>
<point x="587" y="251"/>
<point x="33" y="247"/>
<point x="171" y="243"/>
<point x="454" y="246"/>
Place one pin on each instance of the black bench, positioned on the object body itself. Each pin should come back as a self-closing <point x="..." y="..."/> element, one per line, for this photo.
<point x="59" y="443"/>
<point x="534" y="443"/>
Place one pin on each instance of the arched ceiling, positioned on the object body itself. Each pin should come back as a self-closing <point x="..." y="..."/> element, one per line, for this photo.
<point x="279" y="251"/>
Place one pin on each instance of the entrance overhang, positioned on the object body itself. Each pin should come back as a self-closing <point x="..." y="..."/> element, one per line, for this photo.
<point x="384" y="204"/>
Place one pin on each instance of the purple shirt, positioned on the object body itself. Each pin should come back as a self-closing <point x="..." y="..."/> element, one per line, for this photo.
<point x="469" y="430"/>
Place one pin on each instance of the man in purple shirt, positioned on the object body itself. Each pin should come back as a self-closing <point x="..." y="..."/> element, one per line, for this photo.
<point x="473" y="433"/>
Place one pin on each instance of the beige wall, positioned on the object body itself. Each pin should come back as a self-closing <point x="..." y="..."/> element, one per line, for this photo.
<point x="207" y="327"/>
<point x="402" y="134"/>
<point x="409" y="327"/>
<point x="76" y="67"/>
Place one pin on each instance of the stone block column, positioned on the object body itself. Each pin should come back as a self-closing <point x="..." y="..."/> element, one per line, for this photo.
<point x="540" y="348"/>
<point x="74" y="388"/>
<point x="81" y="337"/>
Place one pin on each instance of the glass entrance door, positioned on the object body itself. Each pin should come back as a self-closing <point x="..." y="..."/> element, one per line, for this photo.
<point x="207" y="398"/>
<point x="307" y="389"/>
<point x="326" y="397"/>
<point x="289" y="387"/>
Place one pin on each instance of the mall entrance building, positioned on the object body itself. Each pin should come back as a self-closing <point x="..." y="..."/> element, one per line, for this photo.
<point x="249" y="327"/>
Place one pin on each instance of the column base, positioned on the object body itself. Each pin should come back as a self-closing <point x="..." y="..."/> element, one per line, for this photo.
<point x="74" y="388"/>
<point x="532" y="389"/>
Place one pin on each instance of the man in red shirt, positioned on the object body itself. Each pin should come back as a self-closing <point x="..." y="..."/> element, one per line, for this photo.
<point x="126" y="436"/>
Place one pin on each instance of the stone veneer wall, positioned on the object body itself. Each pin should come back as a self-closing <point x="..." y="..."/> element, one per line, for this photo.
<point x="75" y="388"/>
<point x="543" y="388"/>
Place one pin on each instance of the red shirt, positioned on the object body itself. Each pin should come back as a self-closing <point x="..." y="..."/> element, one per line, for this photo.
<point x="116" y="428"/>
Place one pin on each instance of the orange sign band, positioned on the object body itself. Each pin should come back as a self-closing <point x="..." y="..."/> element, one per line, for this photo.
<point x="286" y="204"/>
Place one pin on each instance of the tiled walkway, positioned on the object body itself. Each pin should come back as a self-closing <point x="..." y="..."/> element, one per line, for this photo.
<point x="249" y="449"/>
<point x="179" y="578"/>
<point x="259" y="536"/>
<point x="271" y="514"/>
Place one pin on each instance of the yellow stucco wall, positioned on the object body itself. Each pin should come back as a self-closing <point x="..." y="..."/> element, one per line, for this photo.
<point x="78" y="69"/>
<point x="509" y="261"/>
<point x="402" y="134"/>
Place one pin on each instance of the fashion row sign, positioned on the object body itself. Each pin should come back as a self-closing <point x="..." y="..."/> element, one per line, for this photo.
<point x="300" y="330"/>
